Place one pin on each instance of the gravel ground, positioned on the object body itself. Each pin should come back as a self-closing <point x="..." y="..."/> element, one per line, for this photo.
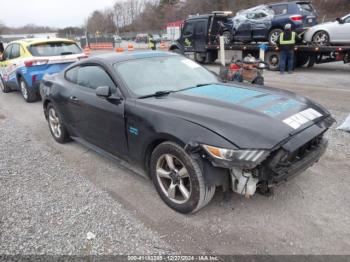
<point x="48" y="207"/>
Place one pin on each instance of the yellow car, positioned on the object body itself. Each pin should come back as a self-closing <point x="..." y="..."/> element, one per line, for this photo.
<point x="24" y="63"/>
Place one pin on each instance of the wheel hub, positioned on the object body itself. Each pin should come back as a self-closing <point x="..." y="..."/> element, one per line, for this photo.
<point x="173" y="179"/>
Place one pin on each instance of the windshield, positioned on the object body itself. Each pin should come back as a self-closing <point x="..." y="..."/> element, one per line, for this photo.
<point x="171" y="73"/>
<point x="54" y="49"/>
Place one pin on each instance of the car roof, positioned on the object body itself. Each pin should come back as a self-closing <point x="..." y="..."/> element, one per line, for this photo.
<point x="112" y="58"/>
<point x="289" y="2"/>
<point x="206" y="16"/>
<point x="31" y="41"/>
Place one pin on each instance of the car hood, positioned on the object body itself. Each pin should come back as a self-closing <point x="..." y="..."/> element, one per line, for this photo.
<point x="246" y="116"/>
<point x="323" y="25"/>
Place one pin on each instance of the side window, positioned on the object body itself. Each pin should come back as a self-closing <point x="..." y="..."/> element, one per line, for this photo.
<point x="280" y="9"/>
<point x="7" y="52"/>
<point x="93" y="77"/>
<point x="250" y="16"/>
<point x="188" y="29"/>
<point x="72" y="74"/>
<point x="347" y="20"/>
<point x="200" y="28"/>
<point x="16" y="51"/>
<point x="260" y="15"/>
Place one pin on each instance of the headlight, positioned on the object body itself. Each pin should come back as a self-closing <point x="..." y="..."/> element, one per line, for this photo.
<point x="251" y="155"/>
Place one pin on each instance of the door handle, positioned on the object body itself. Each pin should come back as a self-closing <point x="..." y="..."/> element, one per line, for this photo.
<point x="73" y="98"/>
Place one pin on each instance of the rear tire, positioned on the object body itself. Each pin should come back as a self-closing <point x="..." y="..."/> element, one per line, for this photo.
<point x="212" y="56"/>
<point x="28" y="94"/>
<point x="306" y="62"/>
<point x="178" y="179"/>
<point x="57" y="128"/>
<point x="228" y="38"/>
<point x="274" y="35"/>
<point x="4" y="88"/>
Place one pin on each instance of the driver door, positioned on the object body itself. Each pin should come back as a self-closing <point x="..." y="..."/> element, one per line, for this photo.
<point x="187" y="37"/>
<point x="341" y="32"/>
<point x="100" y="121"/>
<point x="261" y="25"/>
<point x="200" y="36"/>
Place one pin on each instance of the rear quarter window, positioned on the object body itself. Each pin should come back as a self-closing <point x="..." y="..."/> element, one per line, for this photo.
<point x="306" y="8"/>
<point x="54" y="49"/>
<point x="280" y="9"/>
<point x="72" y="74"/>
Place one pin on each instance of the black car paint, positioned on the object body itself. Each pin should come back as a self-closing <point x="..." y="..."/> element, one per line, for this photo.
<point x="130" y="128"/>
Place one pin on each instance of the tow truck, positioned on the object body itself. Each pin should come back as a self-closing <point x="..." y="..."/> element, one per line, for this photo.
<point x="200" y="36"/>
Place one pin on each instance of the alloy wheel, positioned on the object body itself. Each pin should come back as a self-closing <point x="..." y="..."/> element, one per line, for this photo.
<point x="2" y="85"/>
<point x="24" y="90"/>
<point x="55" y="124"/>
<point x="174" y="179"/>
<point x="274" y="37"/>
<point x="321" y="39"/>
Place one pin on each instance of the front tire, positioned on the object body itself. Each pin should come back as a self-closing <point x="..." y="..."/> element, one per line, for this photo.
<point x="177" y="51"/>
<point x="28" y="94"/>
<point x="200" y="58"/>
<point x="178" y="179"/>
<point x="321" y="38"/>
<point x="4" y="88"/>
<point x="57" y="128"/>
<point x="272" y="58"/>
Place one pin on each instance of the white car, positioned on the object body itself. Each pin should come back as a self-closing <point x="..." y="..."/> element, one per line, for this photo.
<point x="337" y="32"/>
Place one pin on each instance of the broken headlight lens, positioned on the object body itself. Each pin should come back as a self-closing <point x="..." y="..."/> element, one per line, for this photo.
<point x="246" y="155"/>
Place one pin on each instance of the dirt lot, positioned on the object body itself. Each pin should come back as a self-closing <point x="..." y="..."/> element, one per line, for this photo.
<point x="308" y="215"/>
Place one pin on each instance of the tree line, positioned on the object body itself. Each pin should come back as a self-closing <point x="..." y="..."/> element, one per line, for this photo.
<point x="147" y="15"/>
<point x="151" y="15"/>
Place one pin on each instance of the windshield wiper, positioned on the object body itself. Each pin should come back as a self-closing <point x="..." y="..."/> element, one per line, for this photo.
<point x="205" y="84"/>
<point x="199" y="85"/>
<point x="164" y="93"/>
<point x="67" y="53"/>
<point x="157" y="94"/>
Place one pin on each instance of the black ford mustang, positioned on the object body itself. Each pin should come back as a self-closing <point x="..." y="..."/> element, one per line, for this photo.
<point x="183" y="127"/>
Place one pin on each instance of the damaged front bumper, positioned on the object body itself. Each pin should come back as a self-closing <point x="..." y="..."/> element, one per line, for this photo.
<point x="279" y="168"/>
<point x="294" y="164"/>
<point x="287" y="161"/>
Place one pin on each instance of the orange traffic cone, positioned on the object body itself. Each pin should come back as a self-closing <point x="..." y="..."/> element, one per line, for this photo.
<point x="119" y="49"/>
<point x="87" y="51"/>
<point x="130" y="47"/>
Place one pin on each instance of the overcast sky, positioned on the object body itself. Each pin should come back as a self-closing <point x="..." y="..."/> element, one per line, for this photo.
<point x="55" y="13"/>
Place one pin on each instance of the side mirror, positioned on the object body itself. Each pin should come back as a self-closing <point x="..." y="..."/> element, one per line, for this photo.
<point x="103" y="91"/>
<point x="339" y="20"/>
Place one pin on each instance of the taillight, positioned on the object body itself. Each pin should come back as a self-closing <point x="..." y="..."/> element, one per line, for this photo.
<point x="35" y="62"/>
<point x="296" y="18"/>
